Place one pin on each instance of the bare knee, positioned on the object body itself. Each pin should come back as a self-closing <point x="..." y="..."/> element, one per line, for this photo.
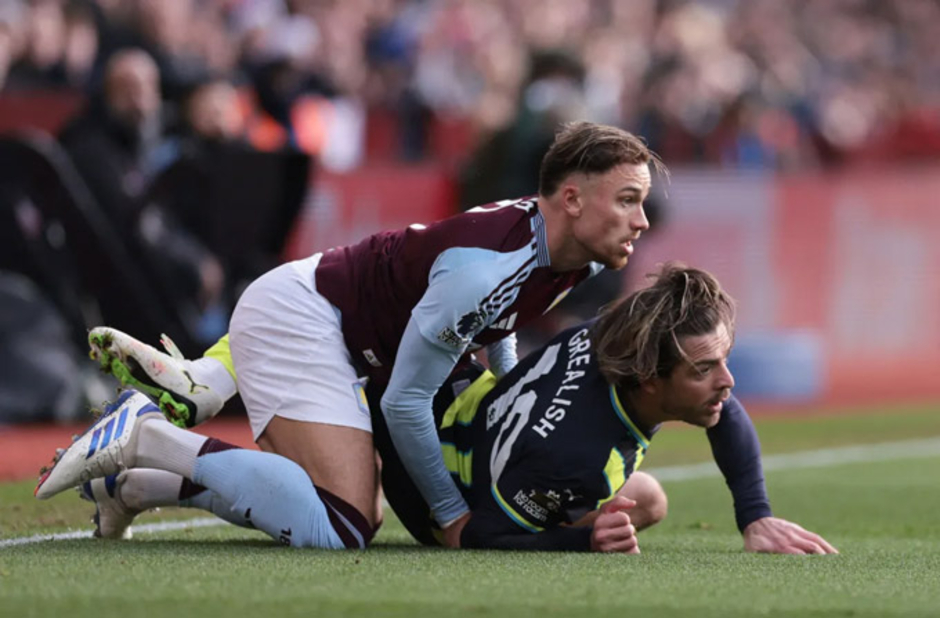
<point x="652" y="505"/>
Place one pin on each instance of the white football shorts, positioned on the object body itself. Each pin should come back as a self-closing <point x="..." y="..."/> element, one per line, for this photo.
<point x="289" y="354"/>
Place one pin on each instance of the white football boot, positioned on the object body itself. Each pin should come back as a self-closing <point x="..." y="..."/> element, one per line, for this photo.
<point x="107" y="447"/>
<point x="112" y="517"/>
<point x="165" y="377"/>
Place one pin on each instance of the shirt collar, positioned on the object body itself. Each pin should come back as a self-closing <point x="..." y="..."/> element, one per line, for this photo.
<point x="541" y="240"/>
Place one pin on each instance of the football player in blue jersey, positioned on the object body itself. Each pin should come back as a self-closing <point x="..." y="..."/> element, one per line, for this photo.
<point x="401" y="308"/>
<point x="546" y="456"/>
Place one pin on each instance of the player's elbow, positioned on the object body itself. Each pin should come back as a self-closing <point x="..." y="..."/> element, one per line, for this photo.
<point x="395" y="406"/>
<point x="408" y="403"/>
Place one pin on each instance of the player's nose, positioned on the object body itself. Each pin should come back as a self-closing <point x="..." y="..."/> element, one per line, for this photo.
<point x="639" y="222"/>
<point x="725" y="377"/>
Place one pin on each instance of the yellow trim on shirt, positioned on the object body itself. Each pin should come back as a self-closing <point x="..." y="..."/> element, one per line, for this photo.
<point x="625" y="418"/>
<point x="458" y="462"/>
<point x="464" y="407"/>
<point x="615" y="473"/>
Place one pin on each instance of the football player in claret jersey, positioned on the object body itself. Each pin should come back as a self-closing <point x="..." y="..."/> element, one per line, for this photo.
<point x="400" y="308"/>
<point x="546" y="456"/>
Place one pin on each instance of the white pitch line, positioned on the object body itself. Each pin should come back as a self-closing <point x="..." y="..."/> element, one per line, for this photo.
<point x="821" y="458"/>
<point x="162" y="526"/>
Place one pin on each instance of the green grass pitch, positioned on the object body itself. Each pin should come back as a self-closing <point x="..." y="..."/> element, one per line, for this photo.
<point x="884" y="517"/>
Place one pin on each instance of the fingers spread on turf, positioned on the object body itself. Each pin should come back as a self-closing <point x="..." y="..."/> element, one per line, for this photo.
<point x="820" y="545"/>
<point x="830" y="549"/>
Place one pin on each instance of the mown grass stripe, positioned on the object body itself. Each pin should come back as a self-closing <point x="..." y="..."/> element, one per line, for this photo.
<point x="820" y="458"/>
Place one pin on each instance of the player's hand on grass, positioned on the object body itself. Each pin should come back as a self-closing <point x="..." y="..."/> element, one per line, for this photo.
<point x="778" y="536"/>
<point x="452" y="532"/>
<point x="613" y="531"/>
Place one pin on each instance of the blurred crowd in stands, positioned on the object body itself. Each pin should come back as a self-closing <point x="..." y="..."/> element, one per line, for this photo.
<point x="754" y="84"/>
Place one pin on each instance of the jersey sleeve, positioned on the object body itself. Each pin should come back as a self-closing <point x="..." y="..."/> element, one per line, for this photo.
<point x="481" y="533"/>
<point x="526" y="507"/>
<point x="420" y="370"/>
<point x="523" y="511"/>
<point x="502" y="355"/>
<point x="467" y="288"/>
<point x="736" y="449"/>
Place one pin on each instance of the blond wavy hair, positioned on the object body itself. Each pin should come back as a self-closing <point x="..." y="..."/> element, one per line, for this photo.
<point x="637" y="338"/>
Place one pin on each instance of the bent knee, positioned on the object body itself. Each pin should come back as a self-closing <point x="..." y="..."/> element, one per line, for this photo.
<point x="334" y="524"/>
<point x="336" y="457"/>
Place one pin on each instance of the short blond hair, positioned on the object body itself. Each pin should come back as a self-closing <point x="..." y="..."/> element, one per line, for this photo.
<point x="591" y="148"/>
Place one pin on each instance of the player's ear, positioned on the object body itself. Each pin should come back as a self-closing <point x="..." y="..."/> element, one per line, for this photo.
<point x="653" y="386"/>
<point x="570" y="194"/>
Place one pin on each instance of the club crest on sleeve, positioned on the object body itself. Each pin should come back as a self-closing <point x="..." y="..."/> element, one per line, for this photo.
<point x="471" y="323"/>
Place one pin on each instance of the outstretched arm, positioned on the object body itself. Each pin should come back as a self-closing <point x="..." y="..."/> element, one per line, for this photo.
<point x="736" y="449"/>
<point x="737" y="452"/>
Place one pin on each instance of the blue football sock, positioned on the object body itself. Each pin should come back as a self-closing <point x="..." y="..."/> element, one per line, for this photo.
<point x="268" y="492"/>
<point x="215" y="504"/>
